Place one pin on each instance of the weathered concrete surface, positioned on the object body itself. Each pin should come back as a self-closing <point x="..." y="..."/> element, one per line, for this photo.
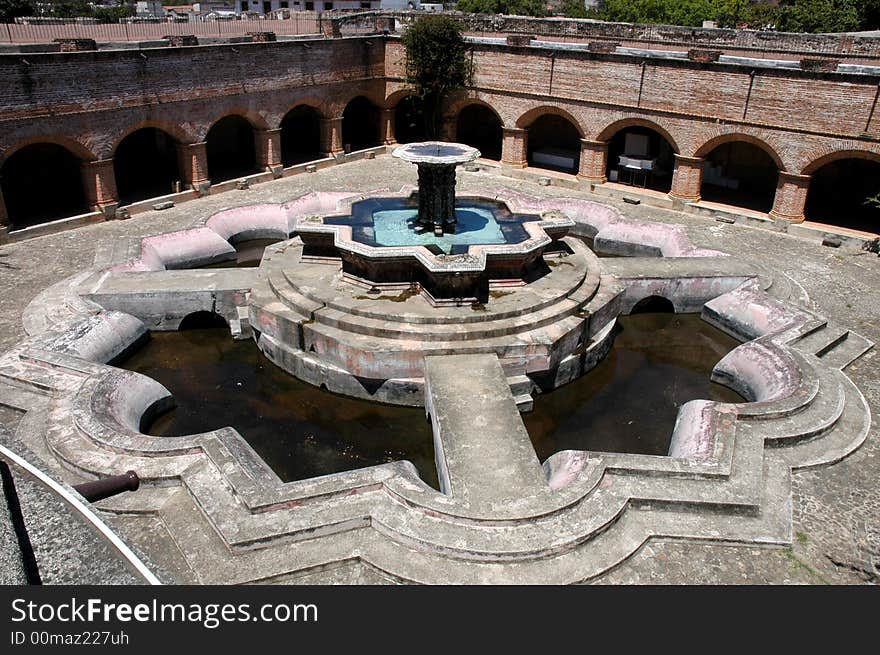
<point x="484" y="455"/>
<point x="835" y="509"/>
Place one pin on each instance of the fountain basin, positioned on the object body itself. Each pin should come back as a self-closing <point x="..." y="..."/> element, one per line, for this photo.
<point x="378" y="246"/>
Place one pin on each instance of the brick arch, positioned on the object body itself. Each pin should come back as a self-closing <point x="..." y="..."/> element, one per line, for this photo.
<point x="609" y="131"/>
<point x="394" y="98"/>
<point x="464" y="103"/>
<point x="727" y="137"/>
<point x="526" y="119"/>
<point x="76" y="148"/>
<point x="339" y="105"/>
<point x="174" y="130"/>
<point x="254" y="118"/>
<point x="835" y="155"/>
<point x="313" y="102"/>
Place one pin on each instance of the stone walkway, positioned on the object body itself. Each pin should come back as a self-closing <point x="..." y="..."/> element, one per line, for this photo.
<point x="836" y="509"/>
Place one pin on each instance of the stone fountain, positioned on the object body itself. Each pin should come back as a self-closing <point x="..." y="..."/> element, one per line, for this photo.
<point x="436" y="162"/>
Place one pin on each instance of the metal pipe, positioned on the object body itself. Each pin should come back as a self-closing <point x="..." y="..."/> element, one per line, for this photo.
<point x="106" y="487"/>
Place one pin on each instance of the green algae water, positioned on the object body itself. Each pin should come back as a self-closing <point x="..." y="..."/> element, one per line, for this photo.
<point x="299" y="430"/>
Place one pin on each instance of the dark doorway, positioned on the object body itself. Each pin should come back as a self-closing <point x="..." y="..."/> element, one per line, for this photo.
<point x="479" y="127"/>
<point x="641" y="157"/>
<point x="145" y="164"/>
<point x="409" y="121"/>
<point x="741" y="174"/>
<point x="231" y="150"/>
<point x="554" y="143"/>
<point x="839" y="193"/>
<point x="300" y="136"/>
<point x="42" y="182"/>
<point x="360" y="125"/>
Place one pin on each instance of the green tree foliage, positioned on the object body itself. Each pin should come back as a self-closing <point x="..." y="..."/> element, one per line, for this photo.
<point x="113" y="14"/>
<point x="10" y="9"/>
<point x="71" y="8"/>
<point x="819" y="16"/>
<point x="437" y="62"/>
<point x="577" y="9"/>
<point x="788" y="15"/>
<point x="76" y="8"/>
<point x="507" y="7"/>
<point x="665" y="12"/>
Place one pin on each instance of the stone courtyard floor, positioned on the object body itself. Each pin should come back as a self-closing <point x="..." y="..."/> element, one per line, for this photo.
<point x="836" y="509"/>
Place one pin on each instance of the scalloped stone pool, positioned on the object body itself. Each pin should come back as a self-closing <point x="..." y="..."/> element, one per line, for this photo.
<point x="391" y="222"/>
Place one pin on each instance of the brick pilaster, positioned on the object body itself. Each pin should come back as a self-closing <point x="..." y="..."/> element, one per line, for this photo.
<point x="387" y="123"/>
<point x="267" y="144"/>
<point x="791" y="197"/>
<point x="99" y="183"/>
<point x="687" y="178"/>
<point x="192" y="159"/>
<point x="514" y="147"/>
<point x="594" y="161"/>
<point x="331" y="136"/>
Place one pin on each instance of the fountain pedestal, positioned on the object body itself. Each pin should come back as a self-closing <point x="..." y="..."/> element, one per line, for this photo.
<point x="436" y="161"/>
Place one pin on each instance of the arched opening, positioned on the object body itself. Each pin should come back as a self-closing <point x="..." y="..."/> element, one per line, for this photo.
<point x="300" y="135"/>
<point x="360" y="125"/>
<point x="741" y="174"/>
<point x="145" y="165"/>
<point x="231" y="153"/>
<point x="409" y="121"/>
<point x="479" y="127"/>
<point x="642" y="157"/>
<point x="554" y="143"/>
<point x="839" y="193"/>
<point x="42" y="182"/>
<point x="201" y="321"/>
<point x="653" y="305"/>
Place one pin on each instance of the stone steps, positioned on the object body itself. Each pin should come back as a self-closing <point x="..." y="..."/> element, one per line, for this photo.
<point x="847" y="434"/>
<point x="818" y="416"/>
<point x="445" y="332"/>
<point x="836" y="346"/>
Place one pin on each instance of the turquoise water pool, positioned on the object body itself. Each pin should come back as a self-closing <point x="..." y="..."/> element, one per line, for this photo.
<point x="390" y="222"/>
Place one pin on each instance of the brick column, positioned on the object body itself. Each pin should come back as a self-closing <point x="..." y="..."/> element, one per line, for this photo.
<point x="331" y="136"/>
<point x="594" y="161"/>
<point x="514" y="147"/>
<point x="387" y="123"/>
<point x="687" y="178"/>
<point x="267" y="144"/>
<point x="192" y="162"/>
<point x="99" y="184"/>
<point x="791" y="197"/>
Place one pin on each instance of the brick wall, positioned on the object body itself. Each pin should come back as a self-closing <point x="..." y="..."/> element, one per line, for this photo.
<point x="796" y="114"/>
<point x="89" y="100"/>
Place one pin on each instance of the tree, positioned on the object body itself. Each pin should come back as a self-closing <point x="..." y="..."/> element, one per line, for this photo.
<point x="11" y="9"/>
<point x="71" y="8"/>
<point x="114" y="14"/>
<point x="577" y="9"/>
<point x="437" y="63"/>
<point x="819" y="16"/>
<point x="507" y="7"/>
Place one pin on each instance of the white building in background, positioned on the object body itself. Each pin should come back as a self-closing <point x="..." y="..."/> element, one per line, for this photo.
<point x="267" y="6"/>
<point x="148" y="8"/>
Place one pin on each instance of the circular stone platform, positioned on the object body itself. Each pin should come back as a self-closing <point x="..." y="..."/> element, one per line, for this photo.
<point x="364" y="341"/>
